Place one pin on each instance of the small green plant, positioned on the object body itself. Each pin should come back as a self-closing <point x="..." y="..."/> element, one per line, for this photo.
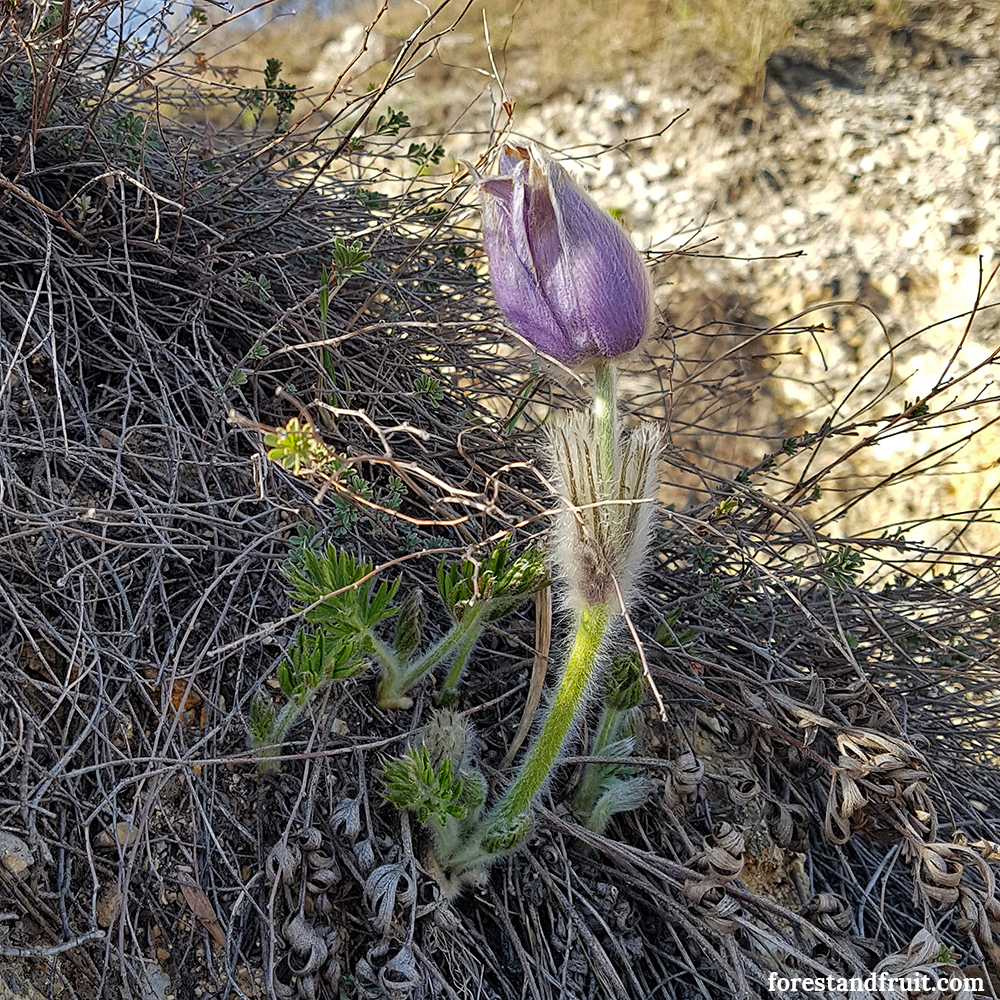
<point x="336" y="593"/>
<point x="304" y="537"/>
<point x="345" y="505"/>
<point x="437" y="780"/>
<point x="391" y="498"/>
<point x="299" y="449"/>
<point x="238" y="375"/>
<point x="276" y="93"/>
<point x="260" y="285"/>
<point x="391" y="122"/>
<point x="348" y="259"/>
<point x="918" y="410"/>
<point x="702" y="557"/>
<point x="424" y="156"/>
<point x="841" y="567"/>
<point x="429" y="388"/>
<point x="360" y="498"/>
<point x="339" y="595"/>
<point x="314" y="659"/>
<point x="129" y="136"/>
<point x="369" y="200"/>
<point x="476" y="593"/>
<point x="669" y="636"/>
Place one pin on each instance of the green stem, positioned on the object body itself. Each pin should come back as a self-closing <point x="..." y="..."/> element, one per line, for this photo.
<point x="608" y="425"/>
<point x="394" y="685"/>
<point x="504" y="826"/>
<point x="450" y="687"/>
<point x="382" y="651"/>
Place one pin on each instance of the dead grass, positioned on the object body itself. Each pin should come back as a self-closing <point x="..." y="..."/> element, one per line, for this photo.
<point x="543" y="48"/>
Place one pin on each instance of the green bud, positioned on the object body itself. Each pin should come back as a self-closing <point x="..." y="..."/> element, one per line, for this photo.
<point x="505" y="834"/>
<point x="412" y="782"/>
<point x="409" y="626"/>
<point x="474" y="791"/>
<point x="525" y="576"/>
<point x="261" y="721"/>
<point x="624" y="684"/>
<point x="447" y="737"/>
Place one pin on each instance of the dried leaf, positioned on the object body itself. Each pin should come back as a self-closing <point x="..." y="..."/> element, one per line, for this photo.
<point x="200" y="906"/>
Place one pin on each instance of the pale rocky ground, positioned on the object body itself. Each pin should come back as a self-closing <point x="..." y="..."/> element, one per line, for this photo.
<point x="865" y="168"/>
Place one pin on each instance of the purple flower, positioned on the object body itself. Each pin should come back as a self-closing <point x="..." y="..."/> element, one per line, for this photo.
<point x="563" y="271"/>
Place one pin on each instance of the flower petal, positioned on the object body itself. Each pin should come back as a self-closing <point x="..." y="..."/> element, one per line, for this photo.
<point x="514" y="283"/>
<point x="601" y="289"/>
<point x="565" y="274"/>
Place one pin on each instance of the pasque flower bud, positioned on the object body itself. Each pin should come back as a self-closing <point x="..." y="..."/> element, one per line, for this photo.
<point x="565" y="274"/>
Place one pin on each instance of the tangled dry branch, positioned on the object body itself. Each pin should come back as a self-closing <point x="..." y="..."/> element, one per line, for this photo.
<point x="828" y="765"/>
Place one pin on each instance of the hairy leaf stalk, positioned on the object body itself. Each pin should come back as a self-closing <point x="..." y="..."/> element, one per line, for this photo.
<point x="458" y="641"/>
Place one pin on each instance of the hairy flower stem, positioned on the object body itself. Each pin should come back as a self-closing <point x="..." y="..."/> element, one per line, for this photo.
<point x="506" y="824"/>
<point x="605" y="408"/>
<point x="503" y="827"/>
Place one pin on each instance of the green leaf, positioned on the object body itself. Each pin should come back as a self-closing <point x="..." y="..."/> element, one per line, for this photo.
<point x="370" y="200"/>
<point x="271" y="72"/>
<point x="493" y="586"/>
<point x="669" y="636"/>
<point x="347" y="601"/>
<point x="841" y="567"/>
<point x="421" y="155"/>
<point x="621" y="795"/>
<point x="412" y="782"/>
